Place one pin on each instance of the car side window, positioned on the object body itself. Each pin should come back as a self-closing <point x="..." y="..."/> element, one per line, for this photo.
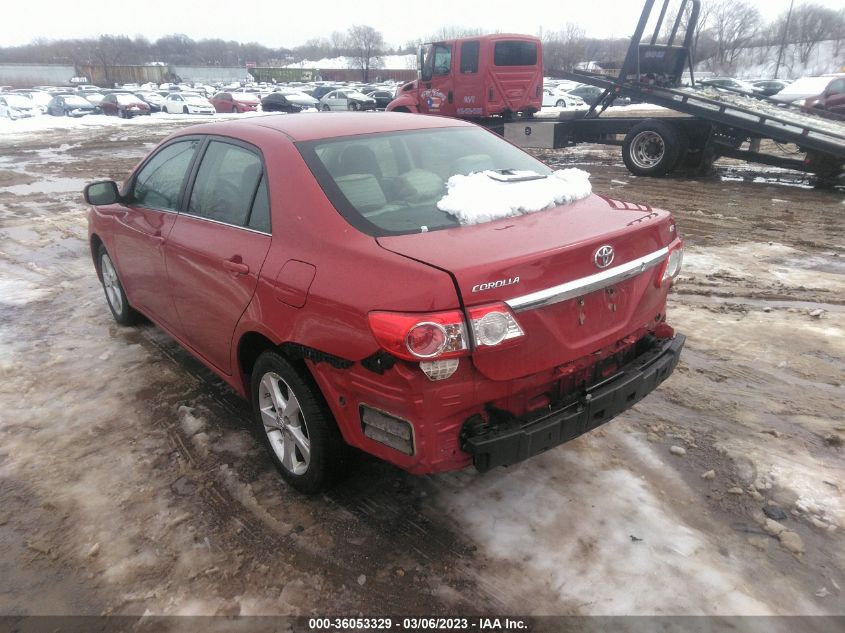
<point x="469" y="57"/>
<point x="226" y="184"/>
<point x="158" y="184"/>
<point x="442" y="59"/>
<point x="259" y="217"/>
<point x="837" y="87"/>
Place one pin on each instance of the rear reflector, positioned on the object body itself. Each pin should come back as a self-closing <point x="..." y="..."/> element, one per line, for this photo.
<point x="440" y="369"/>
<point x="388" y="430"/>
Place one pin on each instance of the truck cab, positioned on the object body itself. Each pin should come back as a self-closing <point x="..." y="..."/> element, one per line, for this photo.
<point x="476" y="77"/>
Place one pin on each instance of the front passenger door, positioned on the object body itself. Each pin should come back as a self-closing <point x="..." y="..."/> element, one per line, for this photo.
<point x="141" y="232"/>
<point x="217" y="247"/>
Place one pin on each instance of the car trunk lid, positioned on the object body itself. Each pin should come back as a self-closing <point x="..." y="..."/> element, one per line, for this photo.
<point x="544" y="266"/>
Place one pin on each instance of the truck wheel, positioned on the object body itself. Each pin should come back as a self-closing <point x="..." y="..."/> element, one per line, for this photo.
<point x="651" y="148"/>
<point x="295" y="424"/>
<point x="401" y="109"/>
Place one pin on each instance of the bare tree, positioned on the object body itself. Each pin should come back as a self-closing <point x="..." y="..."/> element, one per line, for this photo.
<point x="837" y="32"/>
<point x="452" y="32"/>
<point x="109" y="51"/>
<point x="563" y="49"/>
<point x="810" y="25"/>
<point x="338" y="42"/>
<point x="365" y="45"/>
<point x="734" y="24"/>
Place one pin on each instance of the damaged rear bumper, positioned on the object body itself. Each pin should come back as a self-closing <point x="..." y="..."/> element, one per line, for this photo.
<point x="519" y="438"/>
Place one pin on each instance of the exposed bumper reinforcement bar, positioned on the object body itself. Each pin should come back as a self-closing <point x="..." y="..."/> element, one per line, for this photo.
<point x="520" y="438"/>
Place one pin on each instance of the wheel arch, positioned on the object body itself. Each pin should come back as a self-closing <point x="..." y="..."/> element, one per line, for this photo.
<point x="95" y="242"/>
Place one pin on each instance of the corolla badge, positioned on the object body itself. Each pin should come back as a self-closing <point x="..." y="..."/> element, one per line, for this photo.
<point x="499" y="283"/>
<point x="604" y="256"/>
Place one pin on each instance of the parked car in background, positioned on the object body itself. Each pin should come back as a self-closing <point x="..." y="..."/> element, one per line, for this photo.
<point x="154" y="100"/>
<point x="71" y="105"/>
<point x="805" y="88"/>
<point x="831" y="99"/>
<point x="86" y="89"/>
<point x="347" y="100"/>
<point x="769" y="87"/>
<point x="297" y="97"/>
<point x="461" y="342"/>
<point x="17" y="106"/>
<point x="40" y="98"/>
<point x="732" y="84"/>
<point x="187" y="103"/>
<point x="591" y="95"/>
<point x="561" y="99"/>
<point x="124" y="104"/>
<point x="235" y="102"/>
<point x="93" y="97"/>
<point x="320" y="91"/>
<point x="382" y="97"/>
<point x="277" y="102"/>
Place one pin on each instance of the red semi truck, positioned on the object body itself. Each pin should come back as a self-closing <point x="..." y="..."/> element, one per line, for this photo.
<point x="475" y="77"/>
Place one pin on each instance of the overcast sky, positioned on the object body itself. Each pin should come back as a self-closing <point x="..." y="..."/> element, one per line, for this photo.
<point x="291" y="22"/>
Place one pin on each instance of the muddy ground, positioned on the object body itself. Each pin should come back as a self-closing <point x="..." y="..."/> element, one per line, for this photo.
<point x="130" y="483"/>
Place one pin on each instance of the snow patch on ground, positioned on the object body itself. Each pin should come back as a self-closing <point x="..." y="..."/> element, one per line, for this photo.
<point x="539" y="518"/>
<point x="18" y="292"/>
<point x="480" y="197"/>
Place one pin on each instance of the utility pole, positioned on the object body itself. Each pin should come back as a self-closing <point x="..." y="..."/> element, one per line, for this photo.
<point x="783" y="40"/>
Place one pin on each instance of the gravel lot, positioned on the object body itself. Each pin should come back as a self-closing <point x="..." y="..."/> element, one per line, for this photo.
<point x="129" y="483"/>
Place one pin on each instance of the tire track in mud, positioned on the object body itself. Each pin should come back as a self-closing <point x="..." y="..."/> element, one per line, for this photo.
<point x="383" y="505"/>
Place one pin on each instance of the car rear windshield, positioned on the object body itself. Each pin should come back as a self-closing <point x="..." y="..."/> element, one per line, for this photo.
<point x="390" y="183"/>
<point x="76" y="101"/>
<point x="515" y="53"/>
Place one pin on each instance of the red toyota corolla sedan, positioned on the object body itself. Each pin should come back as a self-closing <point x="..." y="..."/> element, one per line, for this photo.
<point x="307" y="261"/>
<point x="235" y="102"/>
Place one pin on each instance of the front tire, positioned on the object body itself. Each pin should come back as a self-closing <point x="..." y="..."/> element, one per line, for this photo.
<point x="295" y="424"/>
<point x="326" y="107"/>
<point x="122" y="312"/>
<point x="651" y="148"/>
<point x="560" y="103"/>
<point x="185" y="110"/>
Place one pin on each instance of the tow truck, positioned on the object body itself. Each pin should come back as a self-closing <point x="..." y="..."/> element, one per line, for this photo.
<point x="691" y="129"/>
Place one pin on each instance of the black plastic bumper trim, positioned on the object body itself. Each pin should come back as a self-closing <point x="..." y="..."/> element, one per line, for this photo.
<point x="520" y="438"/>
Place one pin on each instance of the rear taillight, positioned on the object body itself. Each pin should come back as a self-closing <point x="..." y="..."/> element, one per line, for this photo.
<point x="421" y="336"/>
<point x="438" y="336"/>
<point x="493" y="325"/>
<point x="672" y="266"/>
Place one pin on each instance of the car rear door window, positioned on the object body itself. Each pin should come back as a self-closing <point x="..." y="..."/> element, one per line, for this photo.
<point x="226" y="184"/>
<point x="159" y="183"/>
<point x="259" y="217"/>
<point x="515" y="53"/>
<point x="469" y="57"/>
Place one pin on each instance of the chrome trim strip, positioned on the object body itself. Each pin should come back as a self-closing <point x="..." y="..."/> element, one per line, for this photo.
<point x="586" y="285"/>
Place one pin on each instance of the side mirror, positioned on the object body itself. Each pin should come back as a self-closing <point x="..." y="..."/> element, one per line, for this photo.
<point x="102" y="193"/>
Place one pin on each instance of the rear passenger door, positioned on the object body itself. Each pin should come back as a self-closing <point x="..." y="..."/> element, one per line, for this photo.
<point x="469" y="83"/>
<point x="218" y="245"/>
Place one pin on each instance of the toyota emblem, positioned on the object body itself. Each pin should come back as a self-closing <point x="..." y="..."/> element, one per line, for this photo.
<point x="604" y="256"/>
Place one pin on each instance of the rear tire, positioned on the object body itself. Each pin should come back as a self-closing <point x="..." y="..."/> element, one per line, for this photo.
<point x="560" y="103"/>
<point x="651" y="148"/>
<point x="122" y="312"/>
<point x="295" y="424"/>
